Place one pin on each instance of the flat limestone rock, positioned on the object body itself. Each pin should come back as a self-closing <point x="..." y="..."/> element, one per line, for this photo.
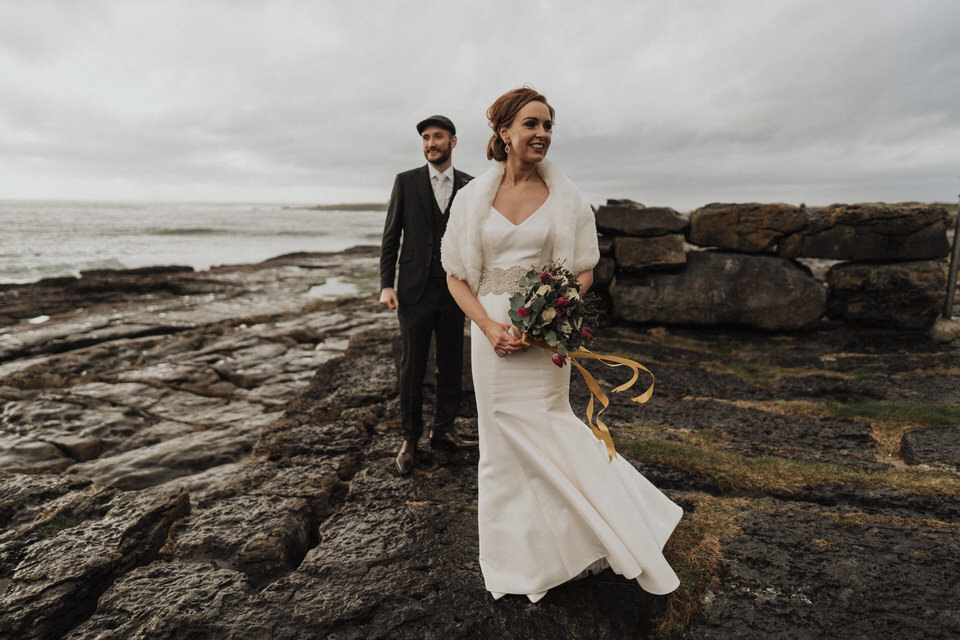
<point x="311" y="532"/>
<point x="183" y="455"/>
<point x="28" y="454"/>
<point x="171" y="601"/>
<point x="801" y="567"/>
<point x="59" y="579"/>
<point x="261" y="536"/>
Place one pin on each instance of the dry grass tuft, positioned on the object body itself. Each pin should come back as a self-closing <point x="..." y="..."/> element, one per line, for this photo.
<point x="694" y="553"/>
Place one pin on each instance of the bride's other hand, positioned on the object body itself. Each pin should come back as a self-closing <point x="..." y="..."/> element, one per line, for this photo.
<point x="499" y="335"/>
<point x="501" y="339"/>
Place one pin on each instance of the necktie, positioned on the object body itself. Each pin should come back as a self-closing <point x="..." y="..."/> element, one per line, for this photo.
<point x="442" y="190"/>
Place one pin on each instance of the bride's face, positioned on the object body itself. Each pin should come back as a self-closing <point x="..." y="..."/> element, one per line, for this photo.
<point x="529" y="133"/>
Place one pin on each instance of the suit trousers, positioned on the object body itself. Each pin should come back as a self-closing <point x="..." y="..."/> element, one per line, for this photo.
<point x="435" y="314"/>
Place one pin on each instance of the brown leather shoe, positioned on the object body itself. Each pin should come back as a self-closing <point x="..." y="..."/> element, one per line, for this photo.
<point x="450" y="440"/>
<point x="407" y="457"/>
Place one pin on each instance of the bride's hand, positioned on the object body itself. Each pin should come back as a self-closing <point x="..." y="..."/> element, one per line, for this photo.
<point x="501" y="339"/>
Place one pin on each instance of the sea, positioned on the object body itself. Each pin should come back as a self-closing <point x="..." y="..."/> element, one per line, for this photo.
<point x="41" y="239"/>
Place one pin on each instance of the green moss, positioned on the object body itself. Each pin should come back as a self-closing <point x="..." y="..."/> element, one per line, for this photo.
<point x="933" y="415"/>
<point x="57" y="524"/>
<point x="754" y="372"/>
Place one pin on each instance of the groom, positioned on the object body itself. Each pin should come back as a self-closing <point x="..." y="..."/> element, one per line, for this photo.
<point x="418" y="212"/>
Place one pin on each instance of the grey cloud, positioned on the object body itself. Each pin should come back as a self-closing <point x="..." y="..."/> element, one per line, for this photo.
<point x="799" y="100"/>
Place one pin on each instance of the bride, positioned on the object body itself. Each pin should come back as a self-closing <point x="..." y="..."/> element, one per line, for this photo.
<point x="551" y="505"/>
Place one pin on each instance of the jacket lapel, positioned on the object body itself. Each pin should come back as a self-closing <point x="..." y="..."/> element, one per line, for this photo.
<point x="425" y="190"/>
<point x="457" y="181"/>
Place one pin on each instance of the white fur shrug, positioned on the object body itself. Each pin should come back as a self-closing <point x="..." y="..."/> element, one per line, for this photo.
<point x="575" y="231"/>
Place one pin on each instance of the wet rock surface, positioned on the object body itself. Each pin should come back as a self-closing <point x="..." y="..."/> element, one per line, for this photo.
<point x="232" y="477"/>
<point x="820" y="574"/>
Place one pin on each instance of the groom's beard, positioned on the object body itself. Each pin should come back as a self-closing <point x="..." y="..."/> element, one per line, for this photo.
<point x="438" y="160"/>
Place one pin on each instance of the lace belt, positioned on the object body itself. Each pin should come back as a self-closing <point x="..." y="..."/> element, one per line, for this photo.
<point x="497" y="280"/>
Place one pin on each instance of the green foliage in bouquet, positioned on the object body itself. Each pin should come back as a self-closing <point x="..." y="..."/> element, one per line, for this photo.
<point x="549" y="308"/>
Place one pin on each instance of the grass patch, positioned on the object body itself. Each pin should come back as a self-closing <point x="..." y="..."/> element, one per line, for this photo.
<point x="765" y="374"/>
<point x="751" y="372"/>
<point x="935" y="371"/>
<point x="694" y="553"/>
<point x="929" y="415"/>
<point x="735" y="472"/>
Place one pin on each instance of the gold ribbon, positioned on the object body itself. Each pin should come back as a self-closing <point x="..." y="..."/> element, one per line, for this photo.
<point x="600" y="429"/>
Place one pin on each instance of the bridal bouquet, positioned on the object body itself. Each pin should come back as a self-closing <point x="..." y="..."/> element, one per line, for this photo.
<point x="549" y="312"/>
<point x="549" y="309"/>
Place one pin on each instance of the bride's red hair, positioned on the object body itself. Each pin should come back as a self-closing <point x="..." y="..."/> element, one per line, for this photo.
<point x="502" y="112"/>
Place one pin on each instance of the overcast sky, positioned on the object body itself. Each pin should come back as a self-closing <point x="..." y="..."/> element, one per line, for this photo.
<point x="676" y="103"/>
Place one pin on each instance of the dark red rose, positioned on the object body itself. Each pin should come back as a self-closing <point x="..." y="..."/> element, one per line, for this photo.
<point x="523" y="312"/>
<point x="559" y="360"/>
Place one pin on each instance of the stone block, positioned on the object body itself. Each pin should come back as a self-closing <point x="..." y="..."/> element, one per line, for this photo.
<point x="936" y="445"/>
<point x="605" y="246"/>
<point x="603" y="272"/>
<point x="902" y="295"/>
<point x="764" y="292"/>
<point x="750" y="227"/>
<point x="871" y="231"/>
<point x="639" y="254"/>
<point x="627" y="218"/>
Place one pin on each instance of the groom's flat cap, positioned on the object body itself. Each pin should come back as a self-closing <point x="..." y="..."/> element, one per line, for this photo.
<point x="439" y="121"/>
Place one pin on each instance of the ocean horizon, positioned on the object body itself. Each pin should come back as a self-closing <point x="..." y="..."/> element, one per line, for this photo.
<point x="47" y="238"/>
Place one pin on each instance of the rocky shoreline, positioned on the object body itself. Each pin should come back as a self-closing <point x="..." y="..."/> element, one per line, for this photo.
<point x="209" y="455"/>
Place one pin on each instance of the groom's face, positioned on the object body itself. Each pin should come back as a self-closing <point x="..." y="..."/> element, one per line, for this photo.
<point x="438" y="144"/>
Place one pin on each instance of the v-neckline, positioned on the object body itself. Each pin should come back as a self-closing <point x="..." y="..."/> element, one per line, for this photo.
<point x="522" y="222"/>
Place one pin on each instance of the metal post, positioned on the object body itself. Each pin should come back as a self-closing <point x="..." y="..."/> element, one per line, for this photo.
<point x="952" y="277"/>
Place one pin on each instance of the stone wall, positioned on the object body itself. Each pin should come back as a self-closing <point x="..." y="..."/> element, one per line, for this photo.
<point x="744" y="264"/>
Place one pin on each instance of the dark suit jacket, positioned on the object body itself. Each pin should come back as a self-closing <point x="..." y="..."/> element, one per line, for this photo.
<point x="411" y="214"/>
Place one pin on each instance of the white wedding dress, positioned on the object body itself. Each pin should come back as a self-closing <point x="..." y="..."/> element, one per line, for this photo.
<point x="551" y="506"/>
